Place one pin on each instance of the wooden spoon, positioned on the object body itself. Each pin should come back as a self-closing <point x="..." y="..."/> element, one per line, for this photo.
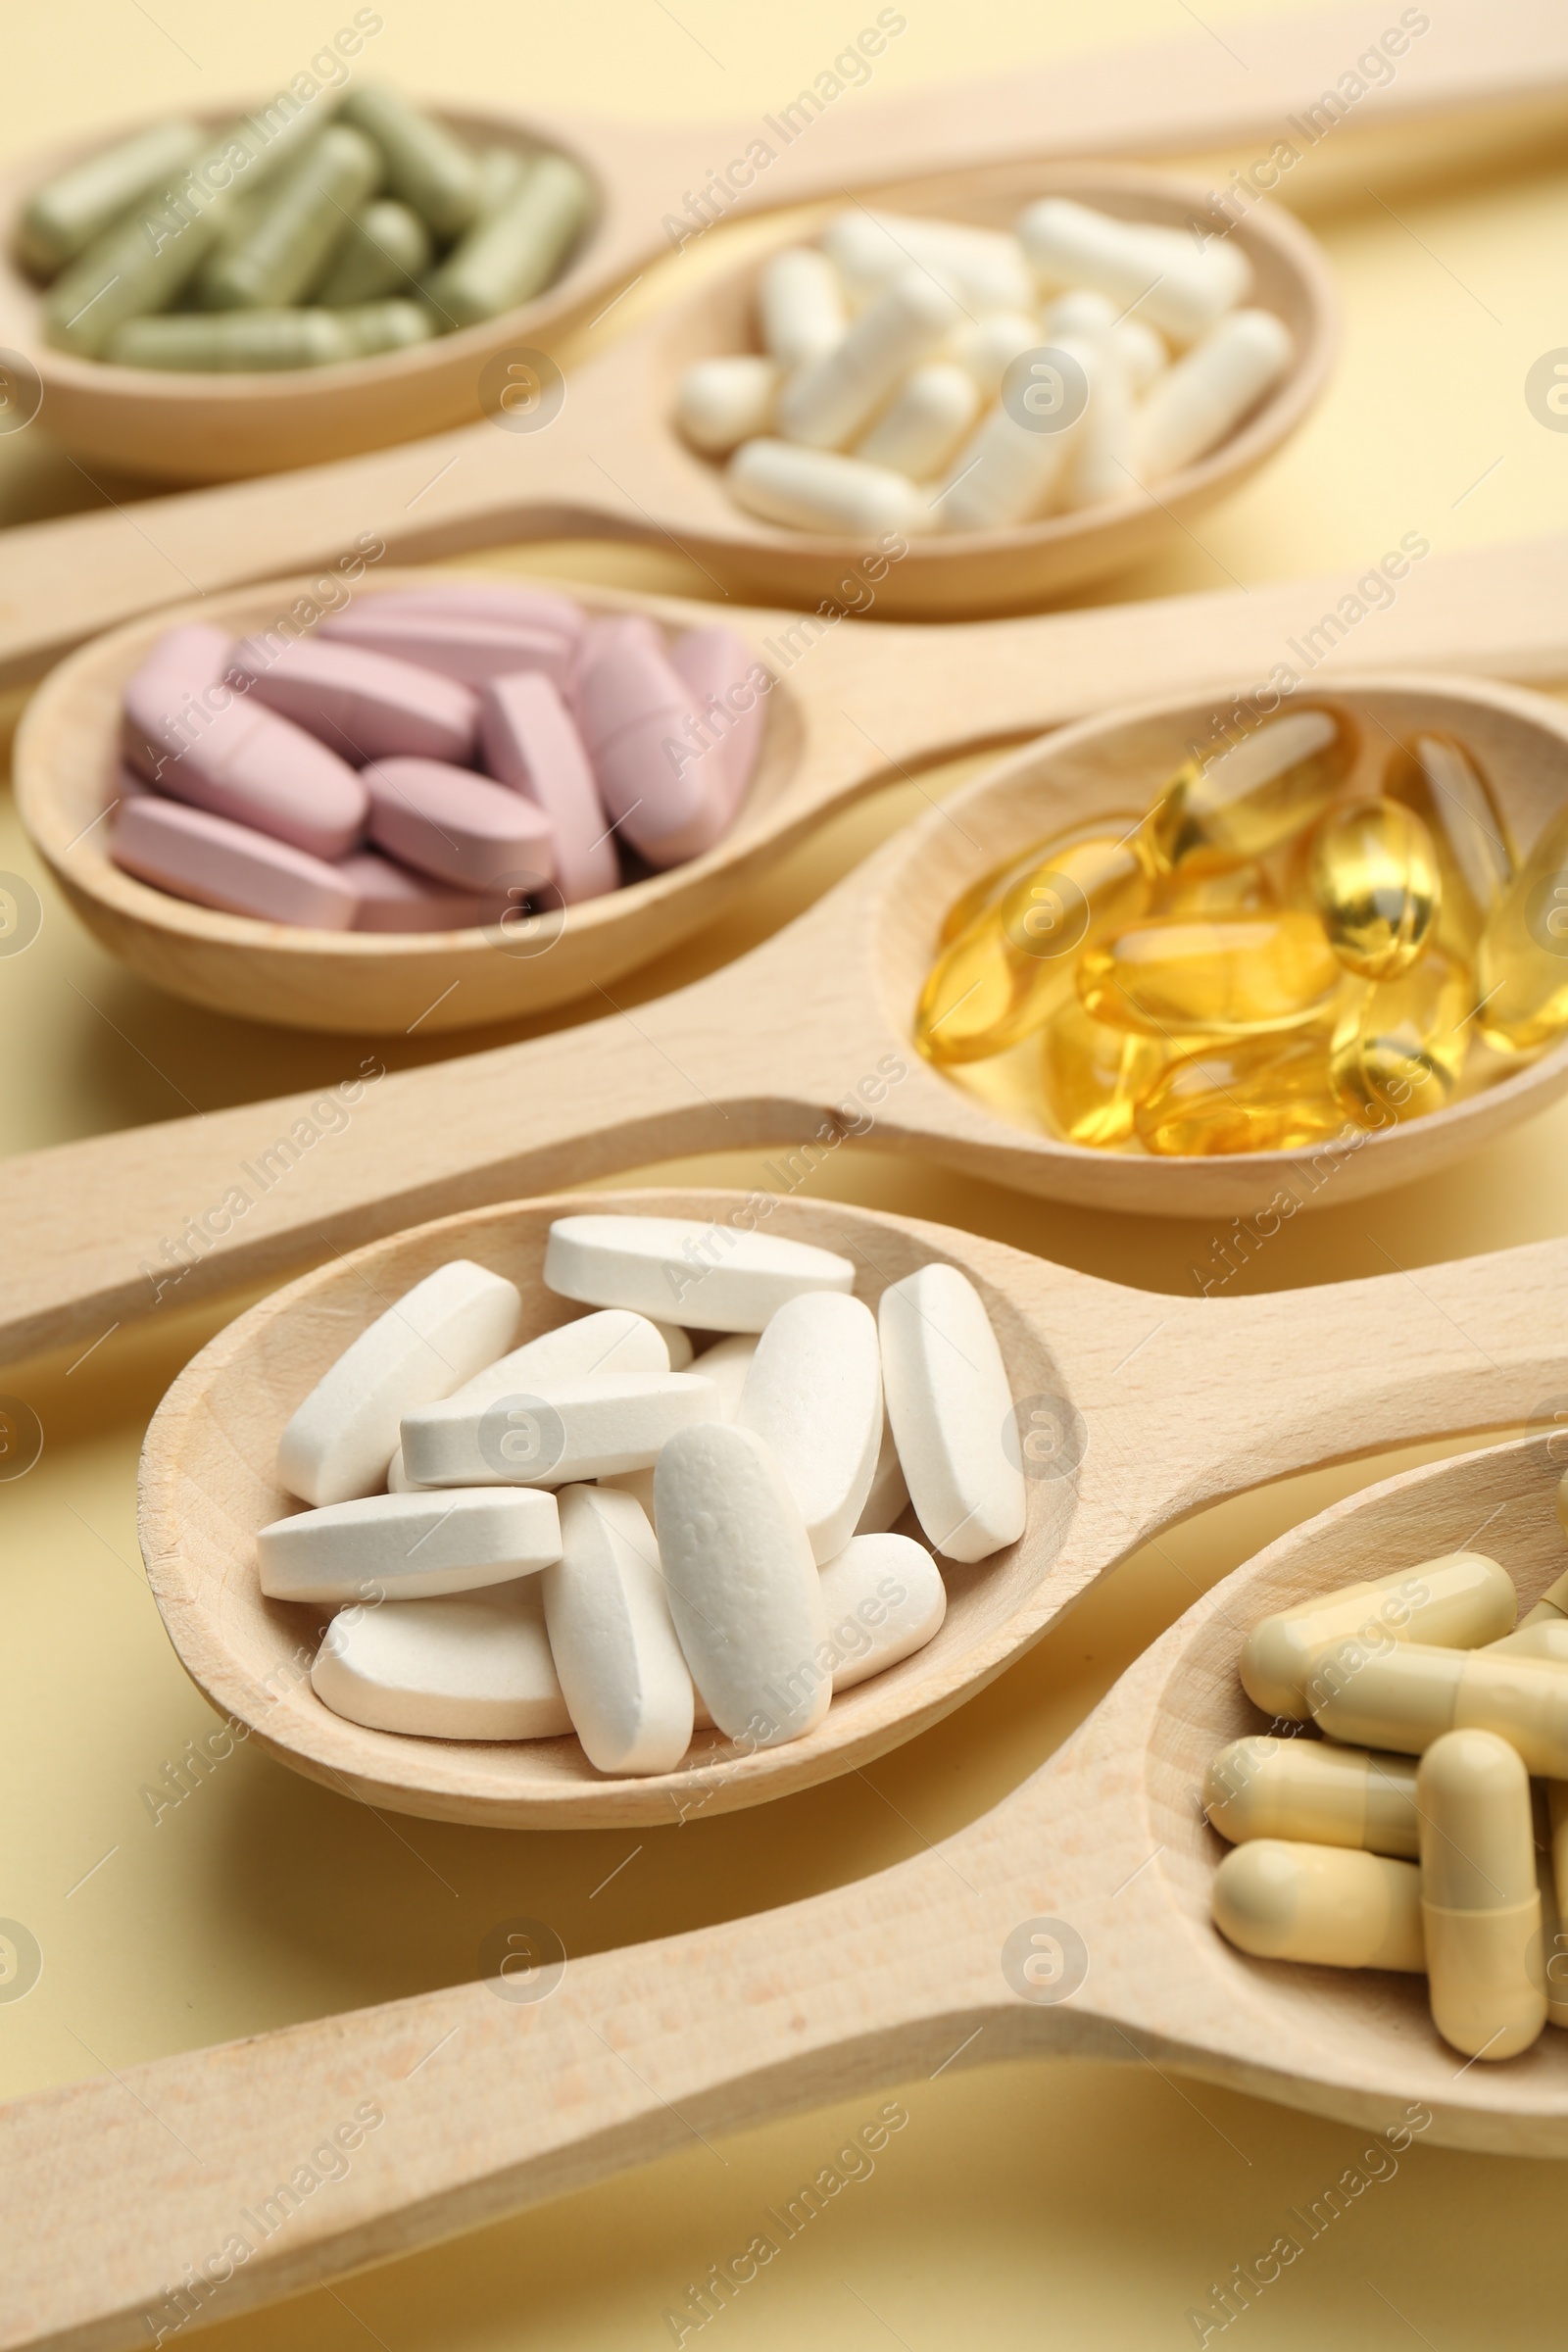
<point x="801" y="1043"/>
<point x="851" y="710"/>
<point x="1191" y="95"/>
<point x="1152" y="1407"/>
<point x="603" y="459"/>
<point x="1071" y="1919"/>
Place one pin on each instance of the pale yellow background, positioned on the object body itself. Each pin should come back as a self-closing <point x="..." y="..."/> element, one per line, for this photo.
<point x="1039" y="2208"/>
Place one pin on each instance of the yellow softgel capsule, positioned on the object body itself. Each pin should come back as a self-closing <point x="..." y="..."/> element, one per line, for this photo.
<point x="1323" y="1905"/>
<point x="997" y="881"/>
<point x="1005" y="976"/>
<point x="1444" y="786"/>
<point x="1249" y="1094"/>
<point x="1253" y="795"/>
<point x="1480" y="1902"/>
<point x="1189" y="898"/>
<point x="1313" y="1792"/>
<point x="1402" y="1045"/>
<point x="1459" y="1601"/>
<point x="1377" y="885"/>
<point x="1523" y="963"/>
<point x="1228" y="976"/>
<point x="1093" y="1078"/>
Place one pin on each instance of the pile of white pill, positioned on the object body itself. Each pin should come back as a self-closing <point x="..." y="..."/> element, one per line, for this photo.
<point x="1350" y="1855"/>
<point x="877" y="401"/>
<point x="606" y="1532"/>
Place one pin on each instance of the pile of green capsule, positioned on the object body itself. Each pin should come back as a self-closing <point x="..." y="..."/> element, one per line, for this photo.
<point x="283" y="243"/>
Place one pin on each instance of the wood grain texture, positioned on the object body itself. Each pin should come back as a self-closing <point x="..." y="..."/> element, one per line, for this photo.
<point x="1190" y="94"/>
<point x="490" y="2104"/>
<point x="802" y="1042"/>
<point x="611" y="464"/>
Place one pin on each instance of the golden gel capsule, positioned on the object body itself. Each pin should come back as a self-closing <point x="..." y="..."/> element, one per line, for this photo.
<point x="1320" y="1904"/>
<point x="997" y="881"/>
<point x="1093" y="1078"/>
<point x="1438" y="778"/>
<point x="1400" y="1045"/>
<point x="1456" y="1603"/>
<point x="232" y="342"/>
<point x="1191" y="897"/>
<point x="1411" y="1695"/>
<point x="1377" y="885"/>
<point x="1554" y="1919"/>
<point x="1314" y="1793"/>
<point x="1523" y="964"/>
<point x="1480" y="1902"/>
<point x="64" y="218"/>
<point x="1247" y="1094"/>
<point x="282" y="249"/>
<point x="384" y="250"/>
<point x="1008" y="973"/>
<point x="1232" y="976"/>
<point x="1253" y="795"/>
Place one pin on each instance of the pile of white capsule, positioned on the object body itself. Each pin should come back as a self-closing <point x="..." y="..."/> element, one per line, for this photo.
<point x="1350" y="1855"/>
<point x="925" y="375"/>
<point x="605" y="1532"/>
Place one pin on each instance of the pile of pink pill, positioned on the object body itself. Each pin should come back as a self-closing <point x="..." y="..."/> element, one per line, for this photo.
<point x="430" y="758"/>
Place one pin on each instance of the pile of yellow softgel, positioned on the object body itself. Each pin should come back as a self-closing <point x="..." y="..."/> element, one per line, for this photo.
<point x="1261" y="957"/>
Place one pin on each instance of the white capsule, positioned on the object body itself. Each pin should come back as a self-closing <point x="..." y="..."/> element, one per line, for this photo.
<point x="1008" y="473"/>
<point x="1143" y="353"/>
<point x="951" y="1413"/>
<point x="471" y="1666"/>
<point x="985" y="268"/>
<point x="722" y="403"/>
<point x="613" y="1638"/>
<point x="554" y="1434"/>
<point x="816" y="490"/>
<point x="813" y="1394"/>
<point x="1177" y="288"/>
<point x="1079" y="311"/>
<point x="1199" y="401"/>
<point x="830" y="399"/>
<point x="1225" y="264"/>
<point x="987" y="347"/>
<point x="338" y="1443"/>
<point x="920" y="431"/>
<point x="885" y="1600"/>
<point x="889" y="1497"/>
<point x="744" y="1589"/>
<point x="408" y="1546"/>
<point x="1100" y="470"/>
<point x="717" y="1277"/>
<point x="800" y="306"/>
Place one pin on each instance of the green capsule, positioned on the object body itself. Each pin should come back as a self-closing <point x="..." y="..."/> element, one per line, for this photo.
<point x="284" y="251"/>
<point x="63" y="218"/>
<point x="1252" y="798"/>
<point x="426" y="164"/>
<point x="373" y="326"/>
<point x="500" y="172"/>
<point x="514" y="254"/>
<point x="234" y="342"/>
<point x="384" y="250"/>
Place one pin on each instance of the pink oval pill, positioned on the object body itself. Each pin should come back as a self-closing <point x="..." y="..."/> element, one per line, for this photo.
<point x="366" y="705"/>
<point x="728" y="686"/>
<point x="393" y="897"/>
<point x="528" y="740"/>
<point x="457" y="826"/>
<point x="257" y="769"/>
<point x="468" y="647"/>
<point x="633" y="707"/>
<point x="177" y="692"/>
<point x="196" y="856"/>
<point x="492" y="599"/>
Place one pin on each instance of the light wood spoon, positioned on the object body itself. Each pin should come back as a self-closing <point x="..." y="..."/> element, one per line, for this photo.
<point x="1136" y="1411"/>
<point x="852" y="708"/>
<point x="1071" y="1919"/>
<point x="610" y="463"/>
<point x="802" y="1042"/>
<point x="1188" y="96"/>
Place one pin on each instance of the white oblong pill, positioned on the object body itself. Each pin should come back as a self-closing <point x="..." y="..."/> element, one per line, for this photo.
<point x="889" y="1497"/>
<point x="813" y="1394"/>
<point x="830" y="399"/>
<point x="951" y="1412"/>
<point x="553" y="1434"/>
<point x="677" y="1346"/>
<point x="340" y="1441"/>
<point x="885" y="1600"/>
<point x="626" y="1683"/>
<point x="469" y="1666"/>
<point x="726" y="1365"/>
<point x="799" y="308"/>
<point x="744" y="1590"/>
<point x="920" y="431"/>
<point x="408" y="1546"/>
<point x="818" y="490"/>
<point x="723" y="402"/>
<point x="398" y="1481"/>
<point x="1206" y="395"/>
<point x="713" y="1276"/>
<point x="611" y="1341"/>
<point x="987" y="348"/>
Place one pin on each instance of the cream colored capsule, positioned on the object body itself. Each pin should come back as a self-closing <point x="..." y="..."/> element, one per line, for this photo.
<point x="818" y="490"/>
<point x="1408" y="1697"/>
<point x="722" y="403"/>
<point x="1537" y="1638"/>
<point x="1457" y="1603"/>
<point x="919" y="433"/>
<point x="1480" y="1904"/>
<point x="1312" y="1792"/>
<point x="1551" y="1869"/>
<point x="1142" y="351"/>
<point x="1552" y="1607"/>
<point x="800" y="306"/>
<point x="1008" y="473"/>
<point x="989" y="346"/>
<point x="830" y="399"/>
<point x="1320" y="1904"/>
<point x="1102" y="465"/>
